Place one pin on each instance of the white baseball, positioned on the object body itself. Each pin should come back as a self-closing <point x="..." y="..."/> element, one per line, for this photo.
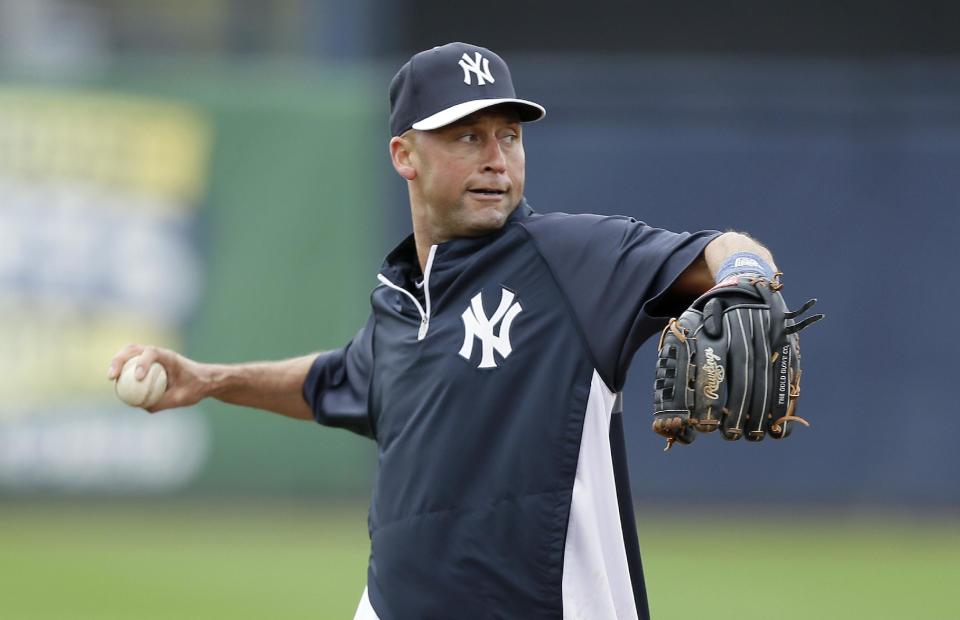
<point x="146" y="392"/>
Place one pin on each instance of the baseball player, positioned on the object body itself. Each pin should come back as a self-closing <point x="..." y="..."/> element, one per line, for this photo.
<point x="489" y="369"/>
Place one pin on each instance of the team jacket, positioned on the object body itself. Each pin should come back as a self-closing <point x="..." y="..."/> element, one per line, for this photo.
<point x="490" y="389"/>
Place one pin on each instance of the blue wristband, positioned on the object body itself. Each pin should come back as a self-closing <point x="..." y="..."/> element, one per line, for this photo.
<point x="743" y="263"/>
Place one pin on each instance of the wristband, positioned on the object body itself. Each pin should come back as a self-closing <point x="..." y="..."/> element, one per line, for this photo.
<point x="741" y="263"/>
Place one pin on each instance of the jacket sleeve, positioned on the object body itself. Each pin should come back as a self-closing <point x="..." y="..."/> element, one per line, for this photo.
<point x="616" y="273"/>
<point x="338" y="384"/>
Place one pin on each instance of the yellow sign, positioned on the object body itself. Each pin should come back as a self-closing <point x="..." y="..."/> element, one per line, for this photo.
<point x="98" y="200"/>
<point x="126" y="143"/>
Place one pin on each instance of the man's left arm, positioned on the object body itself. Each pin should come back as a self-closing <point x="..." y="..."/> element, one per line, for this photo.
<point x="701" y="275"/>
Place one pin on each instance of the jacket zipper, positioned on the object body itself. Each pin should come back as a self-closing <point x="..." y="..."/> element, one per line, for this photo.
<point x="424" y="313"/>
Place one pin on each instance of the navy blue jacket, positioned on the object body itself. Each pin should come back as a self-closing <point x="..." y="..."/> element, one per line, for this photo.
<point x="482" y="386"/>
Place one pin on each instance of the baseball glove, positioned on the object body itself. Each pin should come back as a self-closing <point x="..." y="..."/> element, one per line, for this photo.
<point x="731" y="362"/>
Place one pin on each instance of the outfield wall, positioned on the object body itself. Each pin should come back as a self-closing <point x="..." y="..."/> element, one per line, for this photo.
<point x="267" y="194"/>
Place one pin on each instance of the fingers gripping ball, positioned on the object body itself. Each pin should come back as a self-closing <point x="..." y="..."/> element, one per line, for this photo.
<point x="146" y="392"/>
<point x="731" y="363"/>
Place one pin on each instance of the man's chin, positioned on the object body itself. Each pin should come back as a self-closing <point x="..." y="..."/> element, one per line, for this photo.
<point x="485" y="219"/>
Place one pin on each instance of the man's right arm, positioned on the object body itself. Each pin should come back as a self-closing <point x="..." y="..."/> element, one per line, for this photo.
<point x="271" y="386"/>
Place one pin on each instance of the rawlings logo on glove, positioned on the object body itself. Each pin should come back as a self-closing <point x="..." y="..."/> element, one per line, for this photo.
<point x="731" y="362"/>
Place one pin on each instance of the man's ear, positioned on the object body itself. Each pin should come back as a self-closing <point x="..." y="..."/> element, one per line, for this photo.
<point x="401" y="154"/>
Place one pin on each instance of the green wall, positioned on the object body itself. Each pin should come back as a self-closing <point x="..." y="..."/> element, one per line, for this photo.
<point x="291" y="233"/>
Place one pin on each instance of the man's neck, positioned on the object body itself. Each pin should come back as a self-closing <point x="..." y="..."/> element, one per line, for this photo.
<point x="424" y="238"/>
<point x="425" y="235"/>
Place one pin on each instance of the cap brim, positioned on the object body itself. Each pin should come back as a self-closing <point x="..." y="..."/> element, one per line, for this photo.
<point x="529" y="111"/>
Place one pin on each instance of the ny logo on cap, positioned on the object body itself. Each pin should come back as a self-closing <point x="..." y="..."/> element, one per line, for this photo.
<point x="473" y="66"/>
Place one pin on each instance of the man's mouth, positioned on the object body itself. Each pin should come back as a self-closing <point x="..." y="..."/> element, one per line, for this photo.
<point x="484" y="191"/>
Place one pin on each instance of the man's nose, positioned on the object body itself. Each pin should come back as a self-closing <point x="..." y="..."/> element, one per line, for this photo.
<point x="495" y="160"/>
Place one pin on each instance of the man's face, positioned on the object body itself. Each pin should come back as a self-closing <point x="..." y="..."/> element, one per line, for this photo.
<point x="470" y="174"/>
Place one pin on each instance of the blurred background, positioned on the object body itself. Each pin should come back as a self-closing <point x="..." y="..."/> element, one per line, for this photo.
<point x="212" y="176"/>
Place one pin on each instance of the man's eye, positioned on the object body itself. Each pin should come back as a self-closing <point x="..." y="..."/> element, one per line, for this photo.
<point x="468" y="137"/>
<point x="511" y="137"/>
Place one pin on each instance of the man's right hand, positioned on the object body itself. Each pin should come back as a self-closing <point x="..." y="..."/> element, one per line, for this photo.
<point x="187" y="380"/>
<point x="271" y="386"/>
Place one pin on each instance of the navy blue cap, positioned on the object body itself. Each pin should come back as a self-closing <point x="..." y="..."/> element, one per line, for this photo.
<point x="441" y="85"/>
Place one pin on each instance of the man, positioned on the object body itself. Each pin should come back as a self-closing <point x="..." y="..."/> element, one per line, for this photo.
<point x="489" y="368"/>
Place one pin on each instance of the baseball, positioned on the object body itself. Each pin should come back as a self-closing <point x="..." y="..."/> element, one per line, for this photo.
<point x="146" y="392"/>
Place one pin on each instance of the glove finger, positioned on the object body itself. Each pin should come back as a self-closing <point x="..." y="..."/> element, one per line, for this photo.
<point x="782" y="423"/>
<point x="782" y="371"/>
<point x="738" y="371"/>
<point x="709" y="382"/>
<point x="758" y="419"/>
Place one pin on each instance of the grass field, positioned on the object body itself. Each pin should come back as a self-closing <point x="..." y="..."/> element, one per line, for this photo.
<point x="263" y="560"/>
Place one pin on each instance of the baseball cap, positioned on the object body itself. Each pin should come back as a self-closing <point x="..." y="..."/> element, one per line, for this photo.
<point x="441" y="85"/>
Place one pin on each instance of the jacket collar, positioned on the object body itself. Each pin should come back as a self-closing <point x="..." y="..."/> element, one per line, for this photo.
<point x="402" y="265"/>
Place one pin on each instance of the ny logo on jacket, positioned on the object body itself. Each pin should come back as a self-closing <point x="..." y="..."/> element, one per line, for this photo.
<point x="477" y="325"/>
